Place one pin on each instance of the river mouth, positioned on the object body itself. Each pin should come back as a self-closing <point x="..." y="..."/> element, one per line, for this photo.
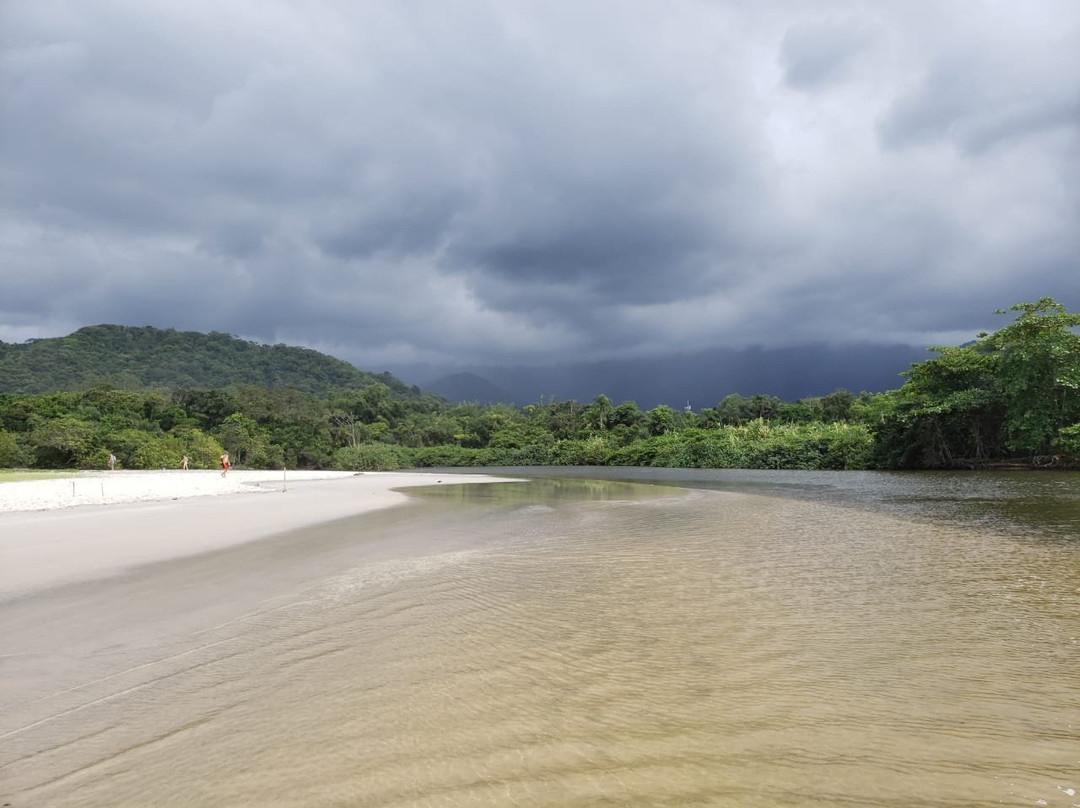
<point x="583" y="645"/>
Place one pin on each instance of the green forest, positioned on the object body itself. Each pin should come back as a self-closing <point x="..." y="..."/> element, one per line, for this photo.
<point x="151" y="397"/>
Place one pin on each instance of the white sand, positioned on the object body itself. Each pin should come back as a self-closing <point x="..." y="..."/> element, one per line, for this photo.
<point x="59" y="531"/>
<point x="112" y="487"/>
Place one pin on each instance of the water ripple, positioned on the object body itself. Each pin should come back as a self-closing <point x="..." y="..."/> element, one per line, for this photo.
<point x="697" y="649"/>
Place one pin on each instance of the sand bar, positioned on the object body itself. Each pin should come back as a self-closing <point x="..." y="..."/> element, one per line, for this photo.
<point x="116" y="487"/>
<point x="95" y="524"/>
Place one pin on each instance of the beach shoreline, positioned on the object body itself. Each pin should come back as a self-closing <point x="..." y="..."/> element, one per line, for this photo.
<point x="95" y="524"/>
<point x="81" y="488"/>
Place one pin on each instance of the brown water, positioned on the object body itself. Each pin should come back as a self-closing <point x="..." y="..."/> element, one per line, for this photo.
<point x="565" y="644"/>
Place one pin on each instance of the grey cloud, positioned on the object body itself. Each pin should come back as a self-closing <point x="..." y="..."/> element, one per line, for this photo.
<point x="978" y="98"/>
<point x="959" y="109"/>
<point x="819" y="53"/>
<point x="416" y="223"/>
<point x="517" y="182"/>
<point x="634" y="257"/>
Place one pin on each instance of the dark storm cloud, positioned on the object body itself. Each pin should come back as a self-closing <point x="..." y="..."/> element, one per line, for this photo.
<point x="514" y="182"/>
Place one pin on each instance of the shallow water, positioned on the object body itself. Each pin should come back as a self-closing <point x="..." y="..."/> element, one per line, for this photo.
<point x="573" y="643"/>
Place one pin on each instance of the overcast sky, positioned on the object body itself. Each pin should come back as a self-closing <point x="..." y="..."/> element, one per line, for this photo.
<point x="505" y="182"/>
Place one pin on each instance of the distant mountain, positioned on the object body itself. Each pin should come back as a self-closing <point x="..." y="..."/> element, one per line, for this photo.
<point x="468" y="387"/>
<point x="139" y="358"/>
<point x="705" y="377"/>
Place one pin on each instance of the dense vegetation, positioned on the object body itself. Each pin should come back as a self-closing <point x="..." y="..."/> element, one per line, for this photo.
<point x="1013" y="395"/>
<point x="152" y="358"/>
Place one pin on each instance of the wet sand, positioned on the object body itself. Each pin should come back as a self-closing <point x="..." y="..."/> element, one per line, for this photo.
<point x="150" y="517"/>
<point x="102" y="603"/>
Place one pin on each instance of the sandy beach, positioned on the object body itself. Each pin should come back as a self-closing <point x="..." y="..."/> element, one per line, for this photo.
<point x="94" y="524"/>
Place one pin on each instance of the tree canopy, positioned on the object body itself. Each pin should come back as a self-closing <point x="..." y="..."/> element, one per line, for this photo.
<point x="1012" y="394"/>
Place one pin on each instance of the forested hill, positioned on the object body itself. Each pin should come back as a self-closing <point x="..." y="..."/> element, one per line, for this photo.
<point x="142" y="358"/>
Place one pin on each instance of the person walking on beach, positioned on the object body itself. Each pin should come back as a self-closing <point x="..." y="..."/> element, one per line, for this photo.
<point x="184" y="462"/>
<point x="224" y="463"/>
<point x="112" y="461"/>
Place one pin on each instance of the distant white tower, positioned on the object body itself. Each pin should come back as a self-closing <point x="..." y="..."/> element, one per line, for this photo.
<point x="687" y="407"/>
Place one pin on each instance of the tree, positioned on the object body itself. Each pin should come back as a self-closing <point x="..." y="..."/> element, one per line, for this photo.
<point x="837" y="405"/>
<point x="733" y="410"/>
<point x="1038" y="375"/>
<point x="207" y="407"/>
<point x="247" y="443"/>
<point x="626" y="414"/>
<point x="765" y="407"/>
<point x="12" y="454"/>
<point x="374" y="403"/>
<point x="63" y="442"/>
<point x="661" y="420"/>
<point x="1011" y="393"/>
<point x="597" y="414"/>
<point x="345" y="427"/>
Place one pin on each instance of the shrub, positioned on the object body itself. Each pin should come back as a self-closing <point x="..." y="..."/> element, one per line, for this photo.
<point x="591" y="451"/>
<point x="1069" y="440"/>
<point x="534" y="454"/>
<point x="641" y="452"/>
<point x="847" y="446"/>
<point x="370" y="457"/>
<point x="446" y="455"/>
<point x="754" y="445"/>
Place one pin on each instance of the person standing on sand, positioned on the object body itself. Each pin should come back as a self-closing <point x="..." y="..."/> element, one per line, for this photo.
<point x="184" y="462"/>
<point x="224" y="463"/>
<point x="112" y="461"/>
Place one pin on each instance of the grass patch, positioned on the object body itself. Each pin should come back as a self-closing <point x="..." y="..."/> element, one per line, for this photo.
<point x="21" y="475"/>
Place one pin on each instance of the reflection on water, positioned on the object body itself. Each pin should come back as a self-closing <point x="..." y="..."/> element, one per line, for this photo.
<point x="1043" y="504"/>
<point x="600" y="645"/>
<point x="543" y="491"/>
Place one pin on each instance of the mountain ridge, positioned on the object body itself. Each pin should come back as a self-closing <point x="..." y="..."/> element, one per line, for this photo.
<point x="468" y="387"/>
<point x="701" y="378"/>
<point x="145" y="357"/>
